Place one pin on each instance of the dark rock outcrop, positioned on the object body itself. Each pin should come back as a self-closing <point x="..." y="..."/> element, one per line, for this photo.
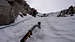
<point x="9" y="10"/>
<point x="70" y="11"/>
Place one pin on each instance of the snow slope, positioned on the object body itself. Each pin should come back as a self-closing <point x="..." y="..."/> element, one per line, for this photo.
<point x="53" y="29"/>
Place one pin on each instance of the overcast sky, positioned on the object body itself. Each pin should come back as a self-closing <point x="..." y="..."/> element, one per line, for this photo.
<point x="45" y="6"/>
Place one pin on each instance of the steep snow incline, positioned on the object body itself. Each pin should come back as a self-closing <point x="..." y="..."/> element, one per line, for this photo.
<point x="53" y="29"/>
<point x="56" y="29"/>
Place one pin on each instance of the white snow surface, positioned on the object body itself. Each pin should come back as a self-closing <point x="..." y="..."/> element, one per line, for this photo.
<point x="53" y="29"/>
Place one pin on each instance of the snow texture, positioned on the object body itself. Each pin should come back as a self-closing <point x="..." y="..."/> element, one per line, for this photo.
<point x="53" y="29"/>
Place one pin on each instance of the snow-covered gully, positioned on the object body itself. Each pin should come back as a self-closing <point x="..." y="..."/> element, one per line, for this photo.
<point x="53" y="29"/>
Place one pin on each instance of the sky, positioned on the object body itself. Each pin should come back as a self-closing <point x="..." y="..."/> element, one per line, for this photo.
<point x="46" y="6"/>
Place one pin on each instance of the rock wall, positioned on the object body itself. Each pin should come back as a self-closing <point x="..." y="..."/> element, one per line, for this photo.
<point x="9" y="10"/>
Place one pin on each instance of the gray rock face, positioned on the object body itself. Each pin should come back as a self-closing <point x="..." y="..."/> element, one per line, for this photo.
<point x="5" y="13"/>
<point x="9" y="10"/>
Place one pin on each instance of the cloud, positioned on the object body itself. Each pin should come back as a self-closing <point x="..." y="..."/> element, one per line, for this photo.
<point x="50" y="5"/>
